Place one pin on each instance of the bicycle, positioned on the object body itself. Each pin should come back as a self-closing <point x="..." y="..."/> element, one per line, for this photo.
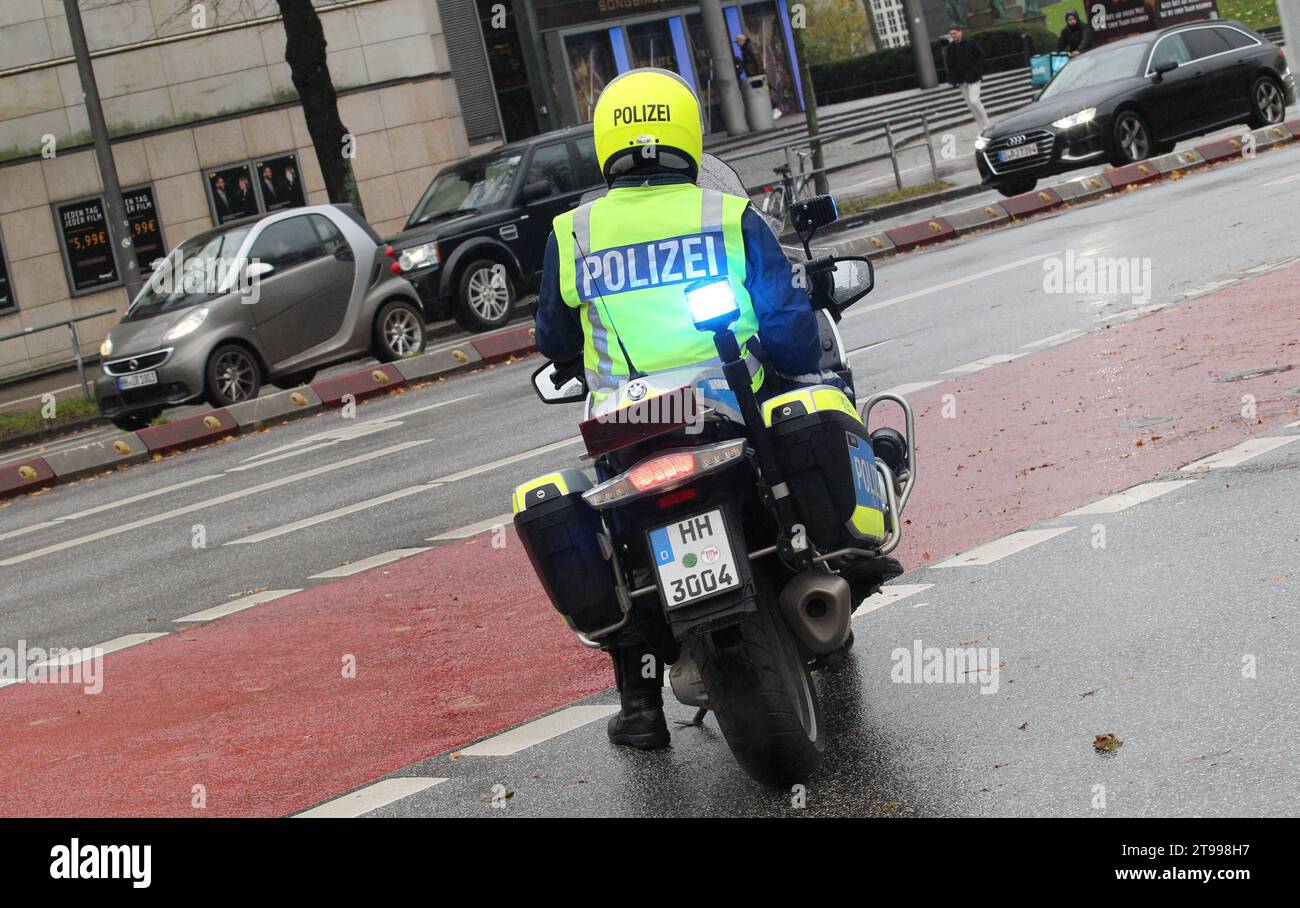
<point x="792" y="187"/>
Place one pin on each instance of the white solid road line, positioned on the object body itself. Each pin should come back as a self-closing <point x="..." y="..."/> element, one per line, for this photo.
<point x="108" y="507"/>
<point x="211" y="502"/>
<point x="1001" y="548"/>
<point x="365" y="564"/>
<point x="539" y="730"/>
<point x="1238" y="454"/>
<point x="982" y="363"/>
<point x="235" y="605"/>
<point x="85" y="654"/>
<point x="1053" y="340"/>
<point x="473" y="529"/>
<point x="911" y="387"/>
<point x="334" y="514"/>
<point x="506" y="461"/>
<point x="857" y="312"/>
<point x="372" y="797"/>
<point x="889" y="595"/>
<point x="1122" y="501"/>
<point x="1289" y="178"/>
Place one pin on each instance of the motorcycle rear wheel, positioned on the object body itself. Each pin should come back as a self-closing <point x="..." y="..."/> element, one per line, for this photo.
<point x="762" y="693"/>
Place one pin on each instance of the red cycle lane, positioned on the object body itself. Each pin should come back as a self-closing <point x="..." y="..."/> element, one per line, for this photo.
<point x="259" y="708"/>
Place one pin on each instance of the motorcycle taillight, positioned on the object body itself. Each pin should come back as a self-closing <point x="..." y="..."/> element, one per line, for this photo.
<point x="661" y="471"/>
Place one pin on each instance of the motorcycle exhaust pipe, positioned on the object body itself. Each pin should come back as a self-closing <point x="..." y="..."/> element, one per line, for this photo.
<point x="817" y="607"/>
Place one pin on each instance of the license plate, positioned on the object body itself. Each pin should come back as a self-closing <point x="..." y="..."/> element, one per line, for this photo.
<point x="137" y="380"/>
<point x="693" y="558"/>
<point x="1015" y="154"/>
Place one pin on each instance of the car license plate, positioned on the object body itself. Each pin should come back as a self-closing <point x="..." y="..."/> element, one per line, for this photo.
<point x="137" y="380"/>
<point x="1015" y="154"/>
<point x="693" y="558"/>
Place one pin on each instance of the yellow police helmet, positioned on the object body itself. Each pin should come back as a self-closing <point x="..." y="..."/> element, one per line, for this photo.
<point x="648" y="114"/>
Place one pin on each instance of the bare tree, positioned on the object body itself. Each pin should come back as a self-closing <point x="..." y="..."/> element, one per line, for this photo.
<point x="304" y="51"/>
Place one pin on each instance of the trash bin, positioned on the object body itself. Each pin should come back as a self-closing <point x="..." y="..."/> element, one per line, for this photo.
<point x="758" y="103"/>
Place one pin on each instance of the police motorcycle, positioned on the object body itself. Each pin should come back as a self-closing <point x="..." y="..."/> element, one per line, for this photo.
<point x="742" y="533"/>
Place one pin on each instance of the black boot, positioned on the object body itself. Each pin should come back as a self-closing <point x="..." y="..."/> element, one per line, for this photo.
<point x="640" y="722"/>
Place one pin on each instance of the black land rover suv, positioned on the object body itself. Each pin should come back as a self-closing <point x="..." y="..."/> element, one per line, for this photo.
<point x="476" y="238"/>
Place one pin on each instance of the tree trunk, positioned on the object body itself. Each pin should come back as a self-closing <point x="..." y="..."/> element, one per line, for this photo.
<point x="304" y="51"/>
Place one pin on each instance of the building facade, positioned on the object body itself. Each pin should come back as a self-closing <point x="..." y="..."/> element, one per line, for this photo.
<point x="200" y="111"/>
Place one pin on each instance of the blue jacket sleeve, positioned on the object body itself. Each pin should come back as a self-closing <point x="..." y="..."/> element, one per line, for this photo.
<point x="558" y="327"/>
<point x="786" y="324"/>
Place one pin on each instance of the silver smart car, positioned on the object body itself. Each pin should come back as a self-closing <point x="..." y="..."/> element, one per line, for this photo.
<point x="252" y="301"/>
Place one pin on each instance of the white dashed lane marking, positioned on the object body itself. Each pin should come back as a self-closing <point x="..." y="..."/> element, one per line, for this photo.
<point x="1001" y="548"/>
<point x="539" y="730"/>
<point x="1239" y="454"/>
<point x="1055" y="339"/>
<point x="365" y="564"/>
<point x="474" y="528"/>
<point x="1122" y="501"/>
<point x="372" y="797"/>
<point x="235" y="605"/>
<point x="889" y="595"/>
<point x="982" y="363"/>
<point x="911" y="387"/>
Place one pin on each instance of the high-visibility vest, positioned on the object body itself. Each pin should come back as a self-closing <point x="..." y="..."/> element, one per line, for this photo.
<point x="626" y="260"/>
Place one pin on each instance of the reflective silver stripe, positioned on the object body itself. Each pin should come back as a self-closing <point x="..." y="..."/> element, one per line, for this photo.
<point x="711" y="211"/>
<point x="599" y="336"/>
<point x="600" y="341"/>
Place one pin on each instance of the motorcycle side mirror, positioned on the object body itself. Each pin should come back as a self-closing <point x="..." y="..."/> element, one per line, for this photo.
<point x="557" y="385"/>
<point x="854" y="277"/>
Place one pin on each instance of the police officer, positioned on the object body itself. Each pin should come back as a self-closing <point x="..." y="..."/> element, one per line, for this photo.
<point x="612" y="290"/>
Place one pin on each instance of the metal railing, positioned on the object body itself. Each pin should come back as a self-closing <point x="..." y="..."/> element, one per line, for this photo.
<point x="71" y="324"/>
<point x="859" y="134"/>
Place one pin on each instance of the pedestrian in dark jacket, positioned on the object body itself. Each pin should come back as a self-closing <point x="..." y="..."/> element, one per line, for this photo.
<point x="964" y="60"/>
<point x="751" y="60"/>
<point x="1076" y="37"/>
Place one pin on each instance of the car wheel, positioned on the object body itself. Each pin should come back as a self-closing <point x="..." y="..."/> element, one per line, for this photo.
<point x="233" y="376"/>
<point x="1017" y="187"/>
<point x="294" y="379"/>
<point x="1131" y="139"/>
<point x="131" y="422"/>
<point x="485" y="297"/>
<point x="1267" y="103"/>
<point x="399" y="331"/>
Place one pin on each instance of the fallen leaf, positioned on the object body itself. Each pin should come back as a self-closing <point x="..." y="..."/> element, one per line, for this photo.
<point x="1106" y="743"/>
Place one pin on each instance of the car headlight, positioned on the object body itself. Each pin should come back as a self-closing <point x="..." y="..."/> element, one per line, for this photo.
<point x="188" y="325"/>
<point x="981" y="143"/>
<point x="106" y="348"/>
<point x="422" y="256"/>
<point x="1076" y="119"/>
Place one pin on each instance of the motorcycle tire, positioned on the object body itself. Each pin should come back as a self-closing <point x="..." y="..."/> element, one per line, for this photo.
<point x="760" y="689"/>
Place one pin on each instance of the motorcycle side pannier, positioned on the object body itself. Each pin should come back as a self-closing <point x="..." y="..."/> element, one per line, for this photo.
<point x="826" y="458"/>
<point x="560" y="532"/>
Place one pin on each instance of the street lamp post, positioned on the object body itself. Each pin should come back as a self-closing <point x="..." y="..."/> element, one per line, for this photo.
<point x="115" y="218"/>
<point x="919" y="35"/>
